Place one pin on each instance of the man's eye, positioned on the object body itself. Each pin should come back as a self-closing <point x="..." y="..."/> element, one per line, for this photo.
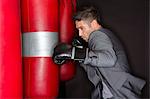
<point x="81" y="28"/>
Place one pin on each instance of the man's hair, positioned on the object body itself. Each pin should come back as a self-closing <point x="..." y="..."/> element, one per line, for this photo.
<point x="88" y="13"/>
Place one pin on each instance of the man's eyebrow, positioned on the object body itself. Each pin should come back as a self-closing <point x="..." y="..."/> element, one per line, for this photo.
<point x="78" y="27"/>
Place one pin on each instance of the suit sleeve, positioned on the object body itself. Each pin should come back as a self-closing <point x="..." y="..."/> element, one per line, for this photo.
<point x="102" y="53"/>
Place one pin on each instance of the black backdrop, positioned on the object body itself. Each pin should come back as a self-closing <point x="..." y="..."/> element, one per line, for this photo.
<point x="129" y="20"/>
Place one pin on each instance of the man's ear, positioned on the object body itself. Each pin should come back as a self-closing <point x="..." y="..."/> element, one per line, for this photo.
<point x="94" y="23"/>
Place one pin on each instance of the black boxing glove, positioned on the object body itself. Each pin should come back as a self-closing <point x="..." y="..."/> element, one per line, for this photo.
<point x="77" y="42"/>
<point x="79" y="54"/>
<point x="79" y="50"/>
<point x="63" y="52"/>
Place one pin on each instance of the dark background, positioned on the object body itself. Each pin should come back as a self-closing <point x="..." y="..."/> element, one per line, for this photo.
<point x="129" y="19"/>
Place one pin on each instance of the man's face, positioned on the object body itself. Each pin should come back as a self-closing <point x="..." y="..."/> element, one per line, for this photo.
<point x="84" y="28"/>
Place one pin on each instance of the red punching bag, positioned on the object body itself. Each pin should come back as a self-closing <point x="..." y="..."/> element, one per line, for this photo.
<point x="67" y="28"/>
<point x="40" y="35"/>
<point x="10" y="50"/>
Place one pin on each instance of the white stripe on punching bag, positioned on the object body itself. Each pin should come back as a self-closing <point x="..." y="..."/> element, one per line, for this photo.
<point x="39" y="44"/>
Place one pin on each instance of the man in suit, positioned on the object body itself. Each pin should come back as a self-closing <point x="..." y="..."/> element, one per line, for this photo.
<point x="105" y="61"/>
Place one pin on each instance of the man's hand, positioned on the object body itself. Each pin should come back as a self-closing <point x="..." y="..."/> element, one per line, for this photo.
<point x="63" y="52"/>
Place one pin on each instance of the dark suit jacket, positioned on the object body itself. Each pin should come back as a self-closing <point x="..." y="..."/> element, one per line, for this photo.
<point x="107" y="62"/>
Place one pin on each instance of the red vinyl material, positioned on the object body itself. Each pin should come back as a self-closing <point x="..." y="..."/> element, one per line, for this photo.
<point x="10" y="50"/>
<point x="40" y="78"/>
<point x="67" y="71"/>
<point x="39" y="15"/>
<point x="41" y="75"/>
<point x="67" y="29"/>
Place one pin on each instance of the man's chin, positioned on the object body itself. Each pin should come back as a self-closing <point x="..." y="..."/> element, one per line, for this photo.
<point x="85" y="40"/>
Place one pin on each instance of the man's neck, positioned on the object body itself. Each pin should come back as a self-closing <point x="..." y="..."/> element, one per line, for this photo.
<point x="98" y="27"/>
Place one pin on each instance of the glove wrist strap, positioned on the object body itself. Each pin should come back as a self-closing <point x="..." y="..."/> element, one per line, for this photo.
<point x="73" y="53"/>
<point x="79" y="53"/>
